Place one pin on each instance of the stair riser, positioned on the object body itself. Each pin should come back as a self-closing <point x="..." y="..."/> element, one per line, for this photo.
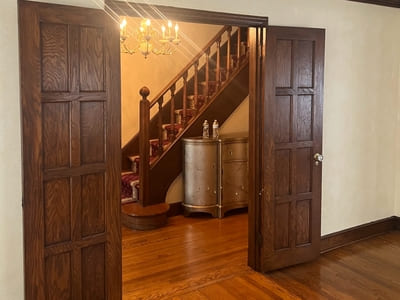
<point x="212" y="87"/>
<point x="191" y="103"/>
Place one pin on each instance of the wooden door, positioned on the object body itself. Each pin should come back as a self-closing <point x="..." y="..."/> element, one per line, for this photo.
<point x="290" y="121"/>
<point x="70" y="96"/>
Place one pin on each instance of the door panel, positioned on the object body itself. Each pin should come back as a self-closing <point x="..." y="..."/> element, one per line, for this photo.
<point x="291" y="123"/>
<point x="71" y="147"/>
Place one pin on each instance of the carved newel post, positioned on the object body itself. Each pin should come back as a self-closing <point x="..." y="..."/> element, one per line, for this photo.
<point x="144" y="146"/>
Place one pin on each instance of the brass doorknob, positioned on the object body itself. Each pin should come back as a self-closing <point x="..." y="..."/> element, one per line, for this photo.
<point x="318" y="158"/>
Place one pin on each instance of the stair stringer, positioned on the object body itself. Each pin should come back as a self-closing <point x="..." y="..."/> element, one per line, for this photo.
<point x="164" y="171"/>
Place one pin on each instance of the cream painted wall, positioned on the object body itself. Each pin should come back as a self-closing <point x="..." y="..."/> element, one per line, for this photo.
<point x="11" y="258"/>
<point x="397" y="201"/>
<point x="361" y="98"/>
<point x="156" y="72"/>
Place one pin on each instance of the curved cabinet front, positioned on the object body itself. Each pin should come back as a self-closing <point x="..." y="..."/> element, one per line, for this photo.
<point x="200" y="175"/>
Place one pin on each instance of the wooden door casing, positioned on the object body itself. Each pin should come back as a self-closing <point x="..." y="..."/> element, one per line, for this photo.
<point x="70" y="99"/>
<point x="291" y="125"/>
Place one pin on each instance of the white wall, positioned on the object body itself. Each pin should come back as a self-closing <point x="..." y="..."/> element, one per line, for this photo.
<point x="11" y="259"/>
<point x="156" y="72"/>
<point x="361" y="97"/>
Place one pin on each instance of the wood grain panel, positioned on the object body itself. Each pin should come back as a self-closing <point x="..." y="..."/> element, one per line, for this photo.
<point x="93" y="204"/>
<point x="57" y="211"/>
<point x="93" y="273"/>
<point x="91" y="60"/>
<point x="92" y="132"/>
<point x="303" y="176"/>
<point x="282" y="173"/>
<point x="283" y="75"/>
<point x="50" y="119"/>
<point x="58" y="277"/>
<point x="54" y="54"/>
<point x="282" y="220"/>
<point x="303" y="214"/>
<point x="56" y="135"/>
<point x="304" y="118"/>
<point x="283" y="117"/>
<point x="305" y="56"/>
<point x="294" y="171"/>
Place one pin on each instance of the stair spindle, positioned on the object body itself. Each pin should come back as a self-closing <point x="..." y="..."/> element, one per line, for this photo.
<point x="207" y="74"/>
<point x="184" y="98"/>
<point x="160" y="129"/>
<point x="218" y="70"/>
<point x="228" y="53"/>
<point x="171" y="137"/>
<point x="238" y="48"/>
<point x="144" y="146"/>
<point x="196" y="85"/>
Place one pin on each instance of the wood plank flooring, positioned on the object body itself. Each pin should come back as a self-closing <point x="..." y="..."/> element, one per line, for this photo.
<point x="204" y="258"/>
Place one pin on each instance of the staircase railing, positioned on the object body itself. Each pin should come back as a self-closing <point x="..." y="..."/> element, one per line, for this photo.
<point x="220" y="73"/>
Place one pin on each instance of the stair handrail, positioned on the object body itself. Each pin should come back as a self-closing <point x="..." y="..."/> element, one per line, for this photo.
<point x="190" y="64"/>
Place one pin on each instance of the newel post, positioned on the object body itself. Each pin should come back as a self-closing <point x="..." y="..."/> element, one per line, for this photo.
<point x="144" y="147"/>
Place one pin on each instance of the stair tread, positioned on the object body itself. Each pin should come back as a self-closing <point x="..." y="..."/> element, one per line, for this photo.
<point x="127" y="179"/>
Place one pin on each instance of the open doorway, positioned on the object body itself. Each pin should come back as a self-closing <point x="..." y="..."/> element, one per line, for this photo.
<point x="197" y="249"/>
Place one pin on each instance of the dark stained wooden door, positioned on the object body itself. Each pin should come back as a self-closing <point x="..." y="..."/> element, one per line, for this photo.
<point x="289" y="222"/>
<point x="70" y="96"/>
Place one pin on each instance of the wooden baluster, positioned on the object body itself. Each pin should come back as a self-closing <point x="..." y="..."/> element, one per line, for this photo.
<point x="184" y="100"/>
<point x="207" y="73"/>
<point x="218" y="70"/>
<point x="196" y="85"/>
<point x="247" y="43"/>
<point x="172" y="114"/>
<point x="144" y="147"/>
<point x="160" y="123"/>
<point x="238" y="48"/>
<point x="228" y="53"/>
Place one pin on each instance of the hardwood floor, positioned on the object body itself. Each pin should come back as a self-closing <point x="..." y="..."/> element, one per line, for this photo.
<point x="203" y="258"/>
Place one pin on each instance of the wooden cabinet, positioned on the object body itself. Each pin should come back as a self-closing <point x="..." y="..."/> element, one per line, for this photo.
<point x="215" y="174"/>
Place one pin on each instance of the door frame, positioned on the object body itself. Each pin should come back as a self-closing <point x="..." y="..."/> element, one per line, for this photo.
<point x="258" y="26"/>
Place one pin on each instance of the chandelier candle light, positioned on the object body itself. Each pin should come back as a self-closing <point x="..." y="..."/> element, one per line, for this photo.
<point x="146" y="37"/>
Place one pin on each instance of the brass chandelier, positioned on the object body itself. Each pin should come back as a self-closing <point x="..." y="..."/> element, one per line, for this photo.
<point x="146" y="37"/>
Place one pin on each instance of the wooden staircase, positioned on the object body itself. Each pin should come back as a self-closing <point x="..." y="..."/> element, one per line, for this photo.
<point x="210" y="87"/>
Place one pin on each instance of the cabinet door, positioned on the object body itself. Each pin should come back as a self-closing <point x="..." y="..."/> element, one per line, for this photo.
<point x="234" y="184"/>
<point x="234" y="151"/>
<point x="200" y="174"/>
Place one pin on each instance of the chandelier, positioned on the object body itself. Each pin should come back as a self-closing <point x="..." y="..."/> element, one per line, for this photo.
<point x="147" y="36"/>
